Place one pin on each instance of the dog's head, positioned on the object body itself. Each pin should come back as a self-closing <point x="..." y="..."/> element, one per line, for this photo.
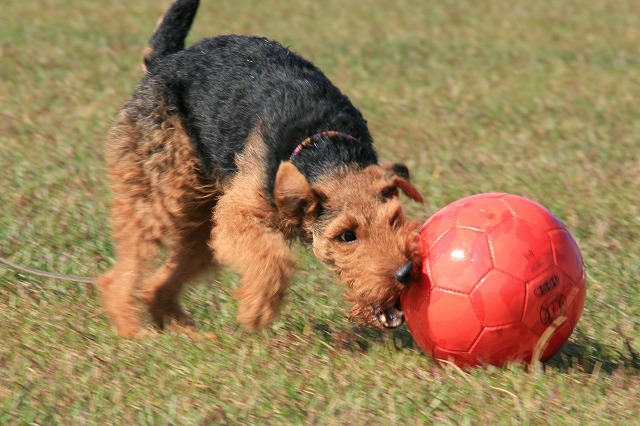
<point x="355" y="225"/>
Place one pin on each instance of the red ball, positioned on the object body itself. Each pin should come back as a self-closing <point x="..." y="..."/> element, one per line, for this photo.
<point x="502" y="280"/>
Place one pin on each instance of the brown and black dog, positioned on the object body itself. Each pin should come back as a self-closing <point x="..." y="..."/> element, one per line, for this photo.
<point x="226" y="152"/>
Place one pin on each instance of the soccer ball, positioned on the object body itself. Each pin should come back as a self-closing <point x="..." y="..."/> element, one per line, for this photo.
<point x="502" y="281"/>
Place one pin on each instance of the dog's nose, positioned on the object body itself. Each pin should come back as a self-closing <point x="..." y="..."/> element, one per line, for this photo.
<point x="403" y="274"/>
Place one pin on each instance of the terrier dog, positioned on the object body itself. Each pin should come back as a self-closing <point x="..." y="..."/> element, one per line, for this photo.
<point x="226" y="152"/>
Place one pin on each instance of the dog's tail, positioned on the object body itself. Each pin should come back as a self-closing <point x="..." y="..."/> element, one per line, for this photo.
<point x="171" y="31"/>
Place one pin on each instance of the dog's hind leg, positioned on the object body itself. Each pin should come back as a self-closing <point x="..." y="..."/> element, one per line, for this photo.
<point x="160" y="199"/>
<point x="188" y="255"/>
<point x="134" y="254"/>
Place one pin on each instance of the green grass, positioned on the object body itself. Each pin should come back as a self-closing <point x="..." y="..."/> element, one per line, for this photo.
<point x="534" y="98"/>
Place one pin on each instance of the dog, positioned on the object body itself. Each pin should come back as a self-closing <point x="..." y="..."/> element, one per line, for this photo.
<point x="226" y="153"/>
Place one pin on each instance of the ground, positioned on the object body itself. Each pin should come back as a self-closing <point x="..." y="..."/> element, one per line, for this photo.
<point x="533" y="98"/>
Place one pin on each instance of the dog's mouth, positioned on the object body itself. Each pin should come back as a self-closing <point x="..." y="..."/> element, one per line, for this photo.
<point x="389" y="316"/>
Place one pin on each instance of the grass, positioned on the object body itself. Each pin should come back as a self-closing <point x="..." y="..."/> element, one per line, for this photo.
<point x="534" y="98"/>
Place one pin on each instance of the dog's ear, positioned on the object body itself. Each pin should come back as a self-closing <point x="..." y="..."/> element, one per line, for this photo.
<point x="295" y="198"/>
<point x="400" y="177"/>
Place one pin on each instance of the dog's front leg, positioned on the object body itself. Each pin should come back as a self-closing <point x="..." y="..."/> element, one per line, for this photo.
<point x="243" y="239"/>
<point x="262" y="257"/>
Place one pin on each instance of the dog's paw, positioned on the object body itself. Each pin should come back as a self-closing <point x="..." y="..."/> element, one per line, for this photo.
<point x="256" y="316"/>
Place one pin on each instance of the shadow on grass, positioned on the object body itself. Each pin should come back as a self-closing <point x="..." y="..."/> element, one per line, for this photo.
<point x="582" y="352"/>
<point x="590" y="355"/>
<point x="361" y="339"/>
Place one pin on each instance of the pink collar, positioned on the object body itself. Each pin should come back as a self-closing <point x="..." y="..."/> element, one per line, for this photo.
<point x="307" y="141"/>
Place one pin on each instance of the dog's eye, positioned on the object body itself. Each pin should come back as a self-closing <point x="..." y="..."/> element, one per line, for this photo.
<point x="389" y="192"/>
<point x="348" y="237"/>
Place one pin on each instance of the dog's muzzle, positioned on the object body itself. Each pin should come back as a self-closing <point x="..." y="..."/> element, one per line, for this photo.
<point x="390" y="316"/>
